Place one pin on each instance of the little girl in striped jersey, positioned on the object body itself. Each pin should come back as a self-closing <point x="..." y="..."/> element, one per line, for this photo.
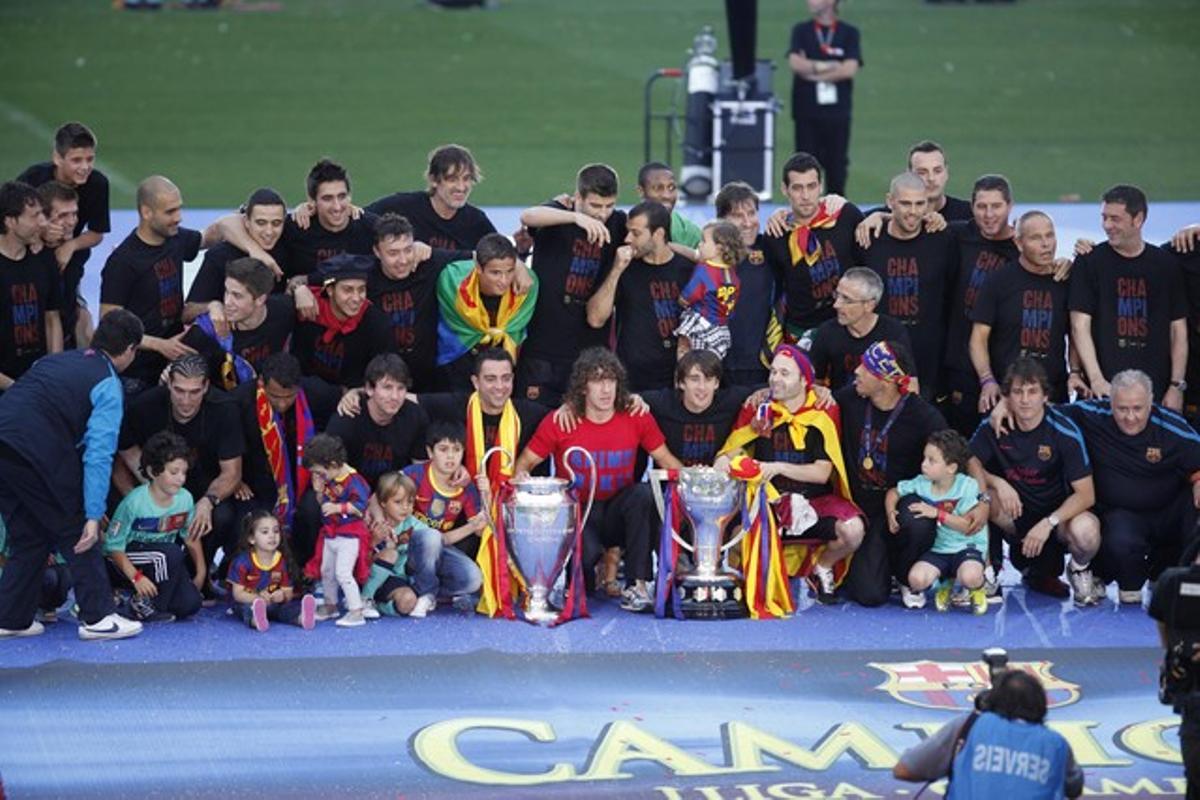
<point x="263" y="579"/>
<point x="709" y="298"/>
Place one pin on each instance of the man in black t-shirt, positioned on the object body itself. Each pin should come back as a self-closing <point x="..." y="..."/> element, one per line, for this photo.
<point x="573" y="251"/>
<point x="884" y="428"/>
<point x="1129" y="304"/>
<point x="917" y="268"/>
<point x="825" y="54"/>
<point x="30" y="324"/>
<point x="985" y="244"/>
<point x="73" y="164"/>
<point x="324" y="228"/>
<point x="389" y="434"/>
<point x="1039" y="478"/>
<point x="261" y="219"/>
<point x="838" y="344"/>
<point x="1021" y="312"/>
<point x="697" y="415"/>
<point x="237" y="335"/>
<point x="404" y="287"/>
<point x="643" y="287"/>
<point x="349" y="329"/>
<point x="144" y="274"/>
<point x="813" y="252"/>
<point x="737" y="202"/>
<point x="441" y="216"/>
<point x="208" y="420"/>
<point x="60" y="203"/>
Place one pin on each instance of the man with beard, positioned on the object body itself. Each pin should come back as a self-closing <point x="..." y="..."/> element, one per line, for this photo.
<point x="643" y="287"/>
<point x="656" y="181"/>
<point x="737" y="202"/>
<point x="441" y="216"/>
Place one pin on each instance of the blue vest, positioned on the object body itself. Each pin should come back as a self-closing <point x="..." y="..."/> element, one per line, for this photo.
<point x="1007" y="758"/>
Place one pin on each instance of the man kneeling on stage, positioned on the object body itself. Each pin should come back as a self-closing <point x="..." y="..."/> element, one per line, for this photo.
<point x="798" y="447"/>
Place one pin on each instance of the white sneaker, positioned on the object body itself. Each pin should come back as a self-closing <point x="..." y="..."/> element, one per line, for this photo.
<point x="1083" y="588"/>
<point x="35" y="629"/>
<point x="369" y="610"/>
<point x="910" y="598"/>
<point x="1131" y="597"/>
<point x="425" y="604"/>
<point x="991" y="583"/>
<point x="114" y="626"/>
<point x="351" y="619"/>
<point x="1099" y="589"/>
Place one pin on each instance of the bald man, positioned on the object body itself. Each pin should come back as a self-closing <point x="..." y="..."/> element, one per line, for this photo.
<point x="144" y="274"/>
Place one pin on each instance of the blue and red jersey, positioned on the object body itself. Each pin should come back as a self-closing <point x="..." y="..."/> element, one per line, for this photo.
<point x="247" y="572"/>
<point x="712" y="292"/>
<point x="441" y="507"/>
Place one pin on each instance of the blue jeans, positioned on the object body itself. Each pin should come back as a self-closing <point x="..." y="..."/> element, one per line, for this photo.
<point x="440" y="570"/>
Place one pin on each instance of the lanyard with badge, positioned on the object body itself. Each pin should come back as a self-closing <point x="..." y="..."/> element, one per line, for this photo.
<point x="827" y="93"/>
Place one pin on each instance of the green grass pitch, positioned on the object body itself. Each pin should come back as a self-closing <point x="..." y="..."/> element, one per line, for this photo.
<point x="1063" y="96"/>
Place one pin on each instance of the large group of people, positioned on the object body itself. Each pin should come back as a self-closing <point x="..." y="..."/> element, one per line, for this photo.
<point x="314" y="409"/>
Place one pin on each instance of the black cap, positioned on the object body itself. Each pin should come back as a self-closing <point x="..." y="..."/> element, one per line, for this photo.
<point x="342" y="267"/>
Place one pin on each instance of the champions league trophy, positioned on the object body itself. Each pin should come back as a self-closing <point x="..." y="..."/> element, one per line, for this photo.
<point x="710" y="500"/>
<point x="540" y="519"/>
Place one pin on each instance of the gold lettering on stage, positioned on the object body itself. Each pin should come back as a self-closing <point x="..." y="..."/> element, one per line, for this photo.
<point x="1146" y="739"/>
<point x="746" y="746"/>
<point x="437" y="748"/>
<point x="624" y="741"/>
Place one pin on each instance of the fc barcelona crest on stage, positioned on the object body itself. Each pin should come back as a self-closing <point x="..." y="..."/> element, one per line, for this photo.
<point x="953" y="685"/>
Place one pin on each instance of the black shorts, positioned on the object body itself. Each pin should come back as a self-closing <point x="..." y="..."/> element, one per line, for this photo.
<point x="947" y="564"/>
<point x="384" y="593"/>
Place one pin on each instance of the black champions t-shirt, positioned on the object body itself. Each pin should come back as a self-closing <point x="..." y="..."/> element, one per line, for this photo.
<point x="808" y="290"/>
<point x="695" y="437"/>
<point x="461" y="232"/>
<point x="303" y="250"/>
<point x="647" y="308"/>
<point x="209" y="283"/>
<point x="410" y="305"/>
<point x="1029" y="319"/>
<point x="213" y="435"/>
<point x="835" y="353"/>
<point x="977" y="259"/>
<point x="254" y="344"/>
<point x="894" y="457"/>
<point x="1132" y="302"/>
<point x="917" y="275"/>
<point x="28" y="289"/>
<point x="568" y="268"/>
<point x="374" y="449"/>
<point x="147" y="280"/>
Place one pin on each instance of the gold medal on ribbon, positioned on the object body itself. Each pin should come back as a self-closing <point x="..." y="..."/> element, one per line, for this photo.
<point x="868" y="463"/>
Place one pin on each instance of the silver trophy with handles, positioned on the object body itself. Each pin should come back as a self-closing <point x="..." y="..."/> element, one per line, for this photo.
<point x="540" y="519"/>
<point x="710" y="499"/>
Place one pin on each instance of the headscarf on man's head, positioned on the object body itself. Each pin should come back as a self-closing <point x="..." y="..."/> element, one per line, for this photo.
<point x="797" y="355"/>
<point x="881" y="361"/>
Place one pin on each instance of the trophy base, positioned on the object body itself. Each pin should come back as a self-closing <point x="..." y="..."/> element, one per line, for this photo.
<point x="540" y="614"/>
<point x="716" y="597"/>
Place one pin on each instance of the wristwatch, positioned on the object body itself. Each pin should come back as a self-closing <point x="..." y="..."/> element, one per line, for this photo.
<point x="984" y="497"/>
<point x="1180" y="385"/>
<point x="212" y="498"/>
<point x="1053" y="520"/>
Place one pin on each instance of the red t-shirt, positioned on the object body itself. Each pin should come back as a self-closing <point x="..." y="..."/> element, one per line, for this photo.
<point x="614" y="445"/>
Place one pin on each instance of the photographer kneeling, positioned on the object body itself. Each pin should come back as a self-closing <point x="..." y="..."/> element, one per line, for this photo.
<point x="1175" y="604"/>
<point x="1002" y="750"/>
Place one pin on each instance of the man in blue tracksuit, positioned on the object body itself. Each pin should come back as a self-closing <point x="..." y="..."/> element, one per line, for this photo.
<point x="1005" y="751"/>
<point x="58" y="433"/>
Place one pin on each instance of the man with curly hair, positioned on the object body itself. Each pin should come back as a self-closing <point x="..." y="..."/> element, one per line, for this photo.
<point x="624" y="513"/>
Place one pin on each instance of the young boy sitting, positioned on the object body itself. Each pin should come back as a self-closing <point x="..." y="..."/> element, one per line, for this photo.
<point x="940" y="497"/>
<point x="446" y="565"/>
